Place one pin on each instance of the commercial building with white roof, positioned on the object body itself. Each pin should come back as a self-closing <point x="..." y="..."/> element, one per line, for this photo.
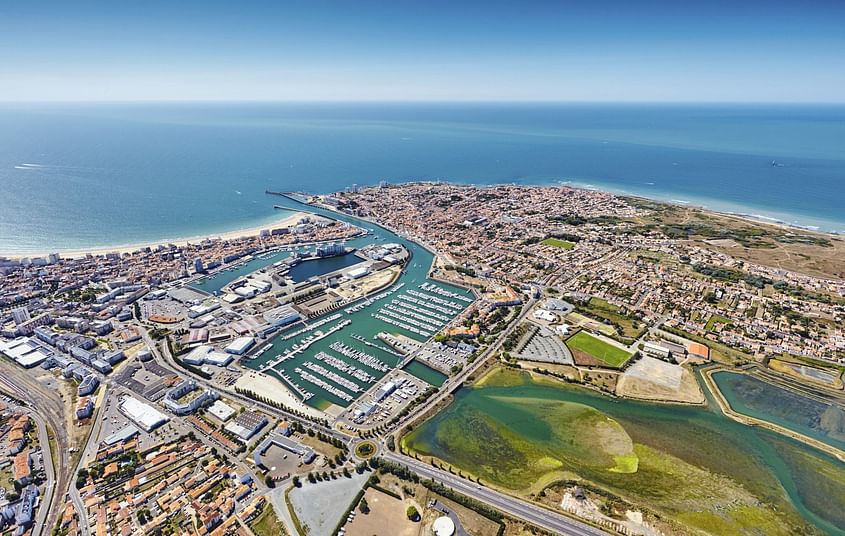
<point x="240" y="345"/>
<point x="221" y="410"/>
<point x="26" y="352"/>
<point x="144" y="415"/>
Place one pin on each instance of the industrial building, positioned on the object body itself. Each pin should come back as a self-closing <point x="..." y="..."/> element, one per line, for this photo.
<point x="144" y="415"/>
<point x="246" y="425"/>
<point x="240" y="346"/>
<point x="26" y="352"/>
<point x="282" y="316"/>
<point x="206" y="355"/>
<point x="358" y="273"/>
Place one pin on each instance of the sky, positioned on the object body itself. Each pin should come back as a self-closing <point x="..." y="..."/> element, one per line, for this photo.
<point x="360" y="50"/>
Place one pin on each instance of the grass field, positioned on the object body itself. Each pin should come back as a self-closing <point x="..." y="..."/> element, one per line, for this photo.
<point x="628" y="328"/>
<point x="267" y="524"/>
<point x="611" y="355"/>
<point x="558" y="243"/>
<point x="716" y="319"/>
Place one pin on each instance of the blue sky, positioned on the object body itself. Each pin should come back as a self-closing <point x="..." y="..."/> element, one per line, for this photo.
<point x="454" y="51"/>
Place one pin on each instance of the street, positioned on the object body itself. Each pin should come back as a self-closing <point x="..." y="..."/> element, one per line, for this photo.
<point x="537" y="515"/>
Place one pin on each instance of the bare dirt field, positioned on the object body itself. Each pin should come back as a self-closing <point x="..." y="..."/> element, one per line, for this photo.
<point x="319" y="506"/>
<point x="386" y="517"/>
<point x="653" y="379"/>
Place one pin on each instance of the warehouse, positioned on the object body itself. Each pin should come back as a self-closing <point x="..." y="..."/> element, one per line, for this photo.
<point x="144" y="415"/>
<point x="240" y="345"/>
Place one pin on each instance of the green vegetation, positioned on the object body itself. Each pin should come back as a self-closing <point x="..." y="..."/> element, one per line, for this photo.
<point x="730" y="275"/>
<point x="267" y="523"/>
<point x="84" y="295"/>
<point x="747" y="235"/>
<point x="716" y="319"/>
<point x="606" y="353"/>
<point x="365" y="449"/>
<point x="628" y="329"/>
<point x="558" y="243"/>
<point x="576" y="220"/>
<point x="691" y="465"/>
<point x="515" y="442"/>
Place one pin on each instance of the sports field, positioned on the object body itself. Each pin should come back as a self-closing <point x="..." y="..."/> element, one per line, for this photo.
<point x="608" y="354"/>
<point x="558" y="243"/>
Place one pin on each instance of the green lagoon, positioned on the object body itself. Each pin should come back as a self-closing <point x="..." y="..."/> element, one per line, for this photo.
<point x="820" y="419"/>
<point x="690" y="464"/>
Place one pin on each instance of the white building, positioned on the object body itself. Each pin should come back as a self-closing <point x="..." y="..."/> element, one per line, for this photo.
<point x="221" y="410"/>
<point x="546" y="316"/>
<point x="282" y="316"/>
<point x="144" y="415"/>
<point x="357" y="273"/>
<point x="240" y="345"/>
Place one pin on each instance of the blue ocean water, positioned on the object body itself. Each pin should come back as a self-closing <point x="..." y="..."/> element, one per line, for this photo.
<point x="88" y="175"/>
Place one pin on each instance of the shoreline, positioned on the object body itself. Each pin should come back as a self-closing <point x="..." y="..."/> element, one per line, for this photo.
<point x="747" y="213"/>
<point x="758" y="219"/>
<point x="74" y="253"/>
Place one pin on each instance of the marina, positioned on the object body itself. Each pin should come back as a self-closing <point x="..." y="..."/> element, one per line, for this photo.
<point x="404" y="320"/>
<point x="333" y="376"/>
<point x="362" y="357"/>
<point x="431" y="287"/>
<point x="403" y="309"/>
<point x="428" y="297"/>
<point x="376" y="346"/>
<point x="343" y="366"/>
<point x="304" y="344"/>
<point x="324" y="385"/>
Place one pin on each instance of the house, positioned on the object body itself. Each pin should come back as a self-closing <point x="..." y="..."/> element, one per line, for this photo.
<point x="23" y="468"/>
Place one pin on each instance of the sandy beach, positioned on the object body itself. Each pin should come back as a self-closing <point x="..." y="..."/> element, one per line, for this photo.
<point x="286" y="221"/>
<point x="274" y="389"/>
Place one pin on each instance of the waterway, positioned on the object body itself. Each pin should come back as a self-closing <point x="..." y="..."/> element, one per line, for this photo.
<point x="308" y="269"/>
<point x="214" y="283"/>
<point x="363" y="323"/>
<point x="426" y="373"/>
<point x="760" y="399"/>
<point x="774" y="468"/>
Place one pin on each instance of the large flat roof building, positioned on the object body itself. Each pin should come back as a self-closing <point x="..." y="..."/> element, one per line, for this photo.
<point x="240" y="345"/>
<point x="144" y="415"/>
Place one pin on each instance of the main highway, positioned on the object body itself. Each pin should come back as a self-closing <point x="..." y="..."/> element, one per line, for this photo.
<point x="541" y="517"/>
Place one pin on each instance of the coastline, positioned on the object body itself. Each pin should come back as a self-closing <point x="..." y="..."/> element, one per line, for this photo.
<point x="758" y="215"/>
<point x="286" y="221"/>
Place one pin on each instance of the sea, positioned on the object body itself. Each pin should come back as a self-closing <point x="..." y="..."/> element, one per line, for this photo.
<point x="93" y="175"/>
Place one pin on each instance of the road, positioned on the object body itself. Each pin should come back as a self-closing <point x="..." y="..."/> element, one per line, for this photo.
<point x="89" y="451"/>
<point x="455" y="382"/>
<point x="40" y="526"/>
<point x="541" y="517"/>
<point x="49" y="409"/>
<point x="164" y="357"/>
